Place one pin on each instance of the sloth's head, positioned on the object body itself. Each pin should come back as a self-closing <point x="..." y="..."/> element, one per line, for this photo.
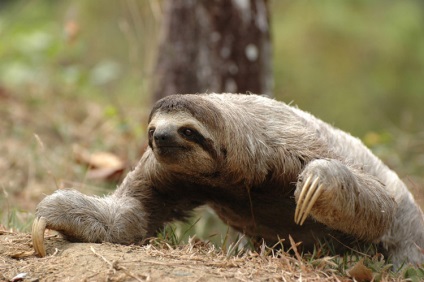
<point x="182" y="135"/>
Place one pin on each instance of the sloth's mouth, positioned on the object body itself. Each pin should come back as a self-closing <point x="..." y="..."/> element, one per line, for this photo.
<point x="169" y="154"/>
<point x="168" y="149"/>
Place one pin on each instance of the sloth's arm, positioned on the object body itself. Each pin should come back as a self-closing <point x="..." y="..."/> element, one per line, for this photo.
<point x="132" y="213"/>
<point x="344" y="199"/>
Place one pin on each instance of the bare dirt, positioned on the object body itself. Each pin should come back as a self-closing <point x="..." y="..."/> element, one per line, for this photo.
<point x="66" y="261"/>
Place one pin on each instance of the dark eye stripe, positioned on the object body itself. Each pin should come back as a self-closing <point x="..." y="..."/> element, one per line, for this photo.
<point x="150" y="136"/>
<point x="151" y="131"/>
<point x="190" y="134"/>
<point x="196" y="137"/>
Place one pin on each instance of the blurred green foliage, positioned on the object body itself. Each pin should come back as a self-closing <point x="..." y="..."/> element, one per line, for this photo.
<point x="360" y="66"/>
<point x="76" y="48"/>
<point x="356" y="64"/>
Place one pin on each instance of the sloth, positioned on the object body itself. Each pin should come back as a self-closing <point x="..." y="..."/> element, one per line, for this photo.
<point x="267" y="169"/>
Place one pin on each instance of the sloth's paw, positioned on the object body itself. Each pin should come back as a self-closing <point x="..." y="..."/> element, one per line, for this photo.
<point x="89" y="219"/>
<point x="62" y="211"/>
<point x="325" y="190"/>
<point x="343" y="198"/>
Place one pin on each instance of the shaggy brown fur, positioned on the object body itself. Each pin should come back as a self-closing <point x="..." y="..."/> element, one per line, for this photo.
<point x="267" y="169"/>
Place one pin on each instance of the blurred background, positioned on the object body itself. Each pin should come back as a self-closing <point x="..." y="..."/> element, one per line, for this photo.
<point x="76" y="81"/>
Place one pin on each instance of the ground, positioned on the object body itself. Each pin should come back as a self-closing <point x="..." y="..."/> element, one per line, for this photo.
<point x="195" y="261"/>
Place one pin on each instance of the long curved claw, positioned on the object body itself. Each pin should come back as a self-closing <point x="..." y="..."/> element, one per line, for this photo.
<point x="306" y="202"/>
<point x="314" y="198"/>
<point x="302" y="194"/>
<point x="38" y="228"/>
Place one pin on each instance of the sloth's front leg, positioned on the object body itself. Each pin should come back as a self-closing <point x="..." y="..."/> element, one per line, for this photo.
<point x="89" y="219"/>
<point x="344" y="199"/>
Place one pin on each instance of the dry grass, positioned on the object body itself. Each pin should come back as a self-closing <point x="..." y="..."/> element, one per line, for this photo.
<point x="160" y="261"/>
<point x="195" y="261"/>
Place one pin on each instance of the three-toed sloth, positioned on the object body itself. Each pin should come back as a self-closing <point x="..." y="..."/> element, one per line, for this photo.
<point x="267" y="169"/>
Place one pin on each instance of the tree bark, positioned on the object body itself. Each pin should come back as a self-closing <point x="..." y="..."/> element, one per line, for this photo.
<point x="214" y="46"/>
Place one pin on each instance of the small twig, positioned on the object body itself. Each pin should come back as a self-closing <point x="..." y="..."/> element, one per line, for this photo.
<point x="2" y="232"/>
<point x="40" y="142"/>
<point x="296" y="252"/>
<point x="419" y="248"/>
<point x="114" y="265"/>
<point x="102" y="257"/>
<point x="346" y="246"/>
<point x="56" y="250"/>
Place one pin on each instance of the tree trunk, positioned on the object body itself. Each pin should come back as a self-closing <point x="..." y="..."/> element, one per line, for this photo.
<point x="214" y="46"/>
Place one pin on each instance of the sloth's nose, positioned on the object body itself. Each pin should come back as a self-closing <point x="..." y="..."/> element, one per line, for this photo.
<point x="164" y="138"/>
<point x="161" y="136"/>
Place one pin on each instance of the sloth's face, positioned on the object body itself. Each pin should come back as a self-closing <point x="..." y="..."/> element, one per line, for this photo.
<point x="182" y="144"/>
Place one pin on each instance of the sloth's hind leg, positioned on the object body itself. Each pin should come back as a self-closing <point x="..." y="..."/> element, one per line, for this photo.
<point x="344" y="199"/>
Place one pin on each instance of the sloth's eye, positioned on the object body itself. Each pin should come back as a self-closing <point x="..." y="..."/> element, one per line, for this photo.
<point x="151" y="131"/>
<point x="188" y="132"/>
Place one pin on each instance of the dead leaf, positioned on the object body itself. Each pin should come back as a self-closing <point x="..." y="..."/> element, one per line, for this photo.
<point x="20" y="255"/>
<point x="102" y="165"/>
<point x="72" y="30"/>
<point x="105" y="173"/>
<point x="4" y="93"/>
<point x="360" y="272"/>
<point x="98" y="159"/>
<point x="2" y="231"/>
